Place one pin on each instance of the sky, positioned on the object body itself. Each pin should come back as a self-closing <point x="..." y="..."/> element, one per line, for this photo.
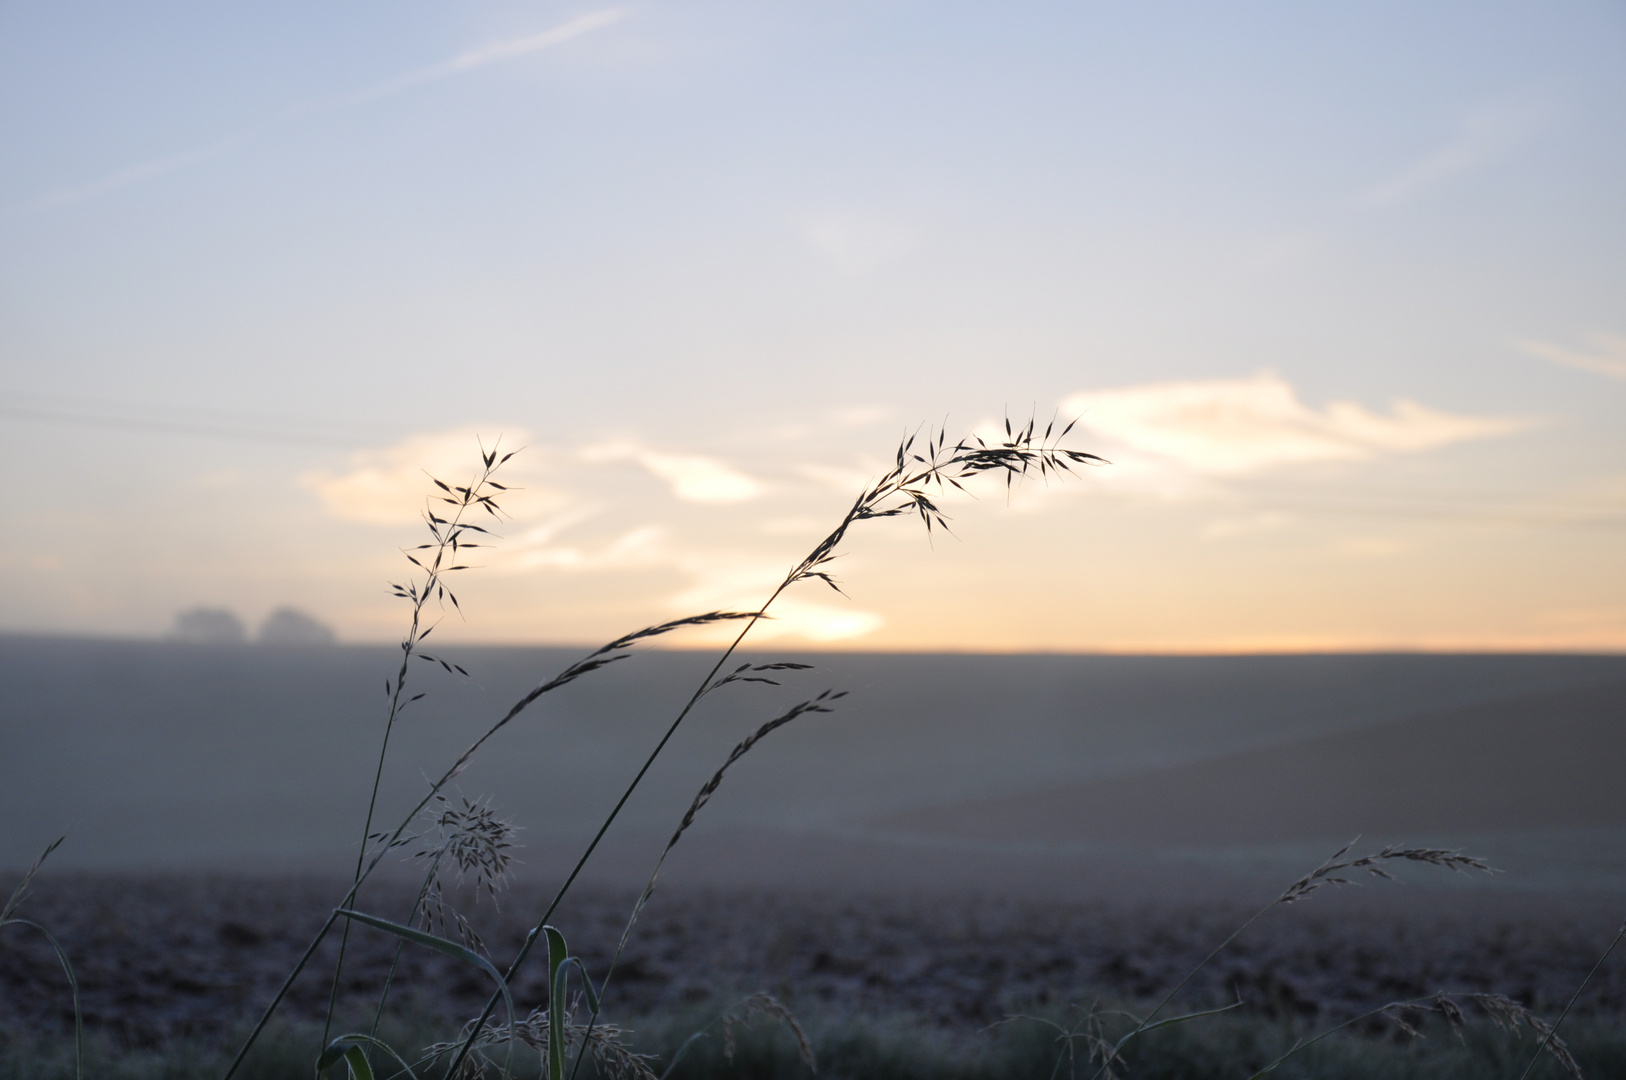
<point x="1339" y="290"/>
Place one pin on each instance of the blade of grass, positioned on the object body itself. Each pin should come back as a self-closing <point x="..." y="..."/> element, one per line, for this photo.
<point x="73" y="986"/>
<point x="1548" y="1037"/>
<point x="558" y="953"/>
<point x="15" y="900"/>
<point x="594" y="661"/>
<point x="819" y="704"/>
<point x="450" y="948"/>
<point x="420" y="596"/>
<point x="348" y="1048"/>
<point x="1323" y="875"/>
<point x="8" y="917"/>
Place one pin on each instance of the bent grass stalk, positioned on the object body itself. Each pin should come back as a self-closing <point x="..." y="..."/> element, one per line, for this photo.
<point x="919" y="467"/>
<point x="1328" y="873"/>
<point x="741" y="1013"/>
<point x="819" y="704"/>
<point x="448" y="539"/>
<point x="1552" y="1034"/>
<point x="907" y="488"/>
<point x="9" y="917"/>
<point x="1091" y="1031"/>
<point x="1504" y="1012"/>
<point x="594" y="661"/>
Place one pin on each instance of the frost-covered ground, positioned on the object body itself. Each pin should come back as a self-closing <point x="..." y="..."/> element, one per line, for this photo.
<point x="166" y="956"/>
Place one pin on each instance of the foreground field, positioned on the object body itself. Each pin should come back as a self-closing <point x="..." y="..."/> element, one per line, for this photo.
<point x="890" y="984"/>
<point x="881" y="1048"/>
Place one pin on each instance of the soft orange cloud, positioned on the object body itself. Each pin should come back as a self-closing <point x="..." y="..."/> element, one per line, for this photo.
<point x="1236" y="426"/>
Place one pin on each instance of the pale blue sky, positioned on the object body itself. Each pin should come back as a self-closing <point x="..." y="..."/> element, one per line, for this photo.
<point x="773" y="235"/>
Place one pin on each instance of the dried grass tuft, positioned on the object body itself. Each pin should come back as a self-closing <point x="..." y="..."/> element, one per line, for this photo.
<point x="20" y="892"/>
<point x="473" y="842"/>
<point x="476" y="840"/>
<point x="765" y="1004"/>
<point x="9" y="917"/>
<point x="1328" y="872"/>
<point x="605" y="1044"/>
<point x="1088" y="1030"/>
<point x="1509" y="1015"/>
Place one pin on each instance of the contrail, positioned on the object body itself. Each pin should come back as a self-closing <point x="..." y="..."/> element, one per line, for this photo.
<point x="491" y="53"/>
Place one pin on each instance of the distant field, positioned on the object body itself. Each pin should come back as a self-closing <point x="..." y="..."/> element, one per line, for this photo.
<point x="935" y="770"/>
<point x="1548" y="760"/>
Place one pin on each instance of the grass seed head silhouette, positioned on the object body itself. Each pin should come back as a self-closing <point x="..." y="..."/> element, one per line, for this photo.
<point x="922" y="466"/>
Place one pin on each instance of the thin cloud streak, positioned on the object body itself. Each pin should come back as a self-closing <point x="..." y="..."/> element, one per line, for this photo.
<point x="490" y="53"/>
<point x="1608" y="357"/>
<point x="135" y="174"/>
<point x="694" y="478"/>
<point x="1480" y="140"/>
<point x="1237" y="426"/>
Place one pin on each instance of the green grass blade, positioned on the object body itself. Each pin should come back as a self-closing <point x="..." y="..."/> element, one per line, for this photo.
<point x="356" y="1059"/>
<point x="587" y="984"/>
<point x="73" y="985"/>
<point x="558" y="953"/>
<point x="450" y="948"/>
<point x="349" y="1048"/>
<point x="592" y="1007"/>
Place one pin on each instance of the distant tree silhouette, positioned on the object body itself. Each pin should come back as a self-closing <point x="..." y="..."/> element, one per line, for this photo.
<point x="210" y="626"/>
<point x="290" y="626"/>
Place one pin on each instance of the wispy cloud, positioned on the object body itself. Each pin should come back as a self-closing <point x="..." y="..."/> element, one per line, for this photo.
<point x="642" y="546"/>
<point x="1481" y="139"/>
<point x="694" y="477"/>
<point x="586" y="513"/>
<point x="135" y="174"/>
<point x="1606" y="357"/>
<point x="385" y="485"/>
<point x="1237" y="426"/>
<point x="490" y="53"/>
<point x="740" y="582"/>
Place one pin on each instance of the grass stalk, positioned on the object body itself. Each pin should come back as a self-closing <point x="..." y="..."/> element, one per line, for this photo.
<point x="819" y="704"/>
<point x="1548" y="1036"/>
<point x="448" y="538"/>
<point x="1329" y="872"/>
<point x="594" y="661"/>
<point x="9" y="917"/>
<point x="920" y="467"/>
